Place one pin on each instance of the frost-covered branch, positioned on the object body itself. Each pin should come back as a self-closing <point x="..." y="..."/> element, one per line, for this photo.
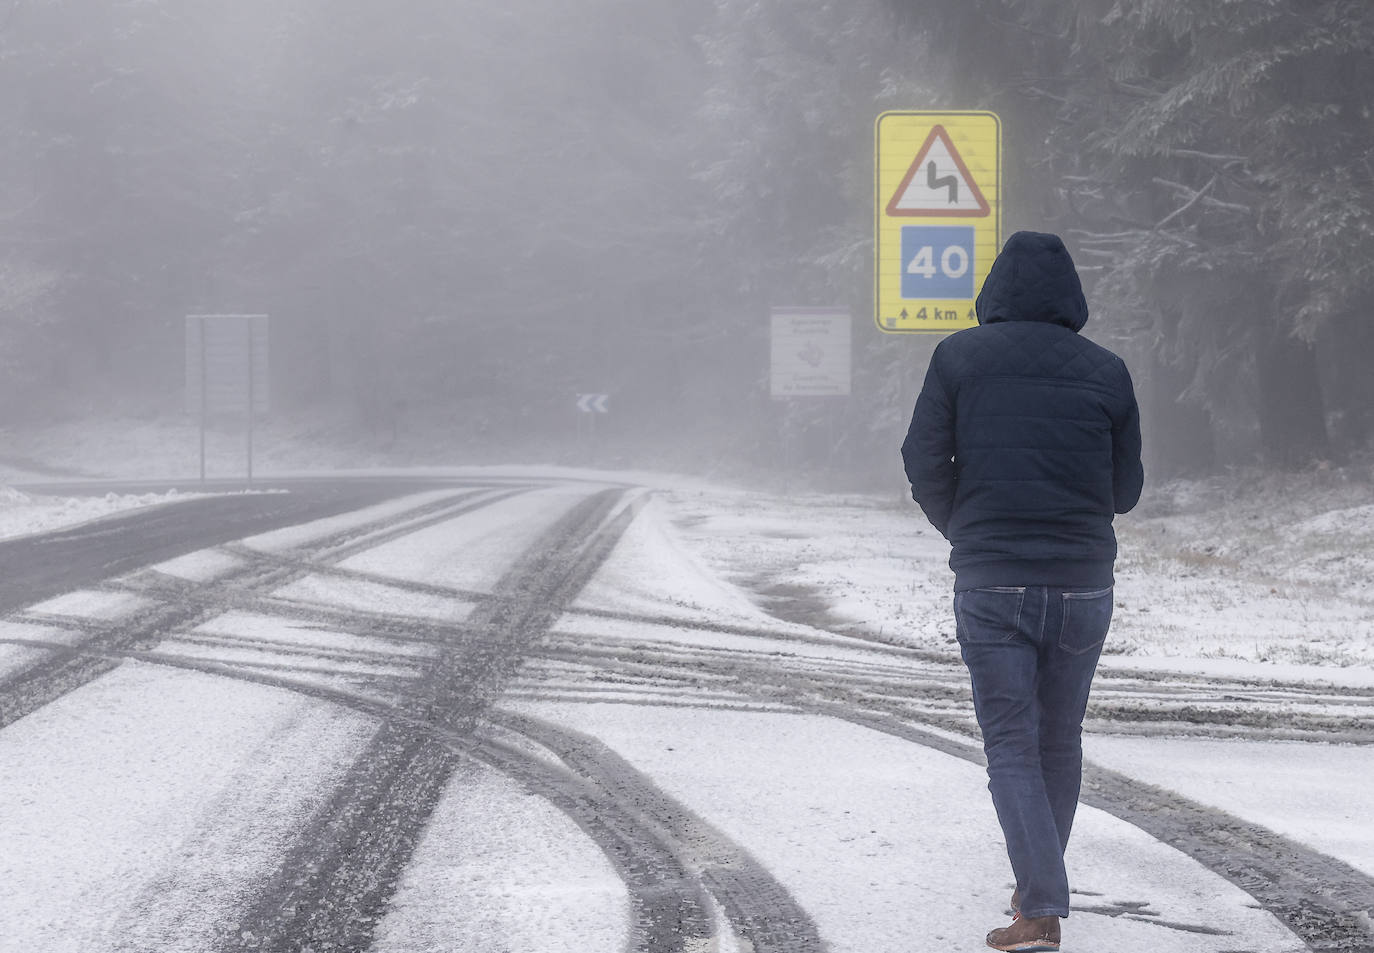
<point x="1225" y="160"/>
<point x="1196" y="198"/>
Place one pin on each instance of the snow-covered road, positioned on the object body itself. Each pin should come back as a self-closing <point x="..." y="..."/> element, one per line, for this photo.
<point x="527" y="712"/>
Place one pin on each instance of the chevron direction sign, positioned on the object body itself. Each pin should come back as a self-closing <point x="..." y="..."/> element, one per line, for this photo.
<point x="938" y="200"/>
<point x="592" y="403"/>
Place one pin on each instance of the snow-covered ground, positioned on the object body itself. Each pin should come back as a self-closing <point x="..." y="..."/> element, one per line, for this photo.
<point x="141" y="804"/>
<point x="1265" y="577"/>
<point x="879" y="840"/>
<point x="1251" y="567"/>
<point x="22" y="513"/>
<point x="1207" y="581"/>
<point x="882" y="842"/>
<point x="1267" y="570"/>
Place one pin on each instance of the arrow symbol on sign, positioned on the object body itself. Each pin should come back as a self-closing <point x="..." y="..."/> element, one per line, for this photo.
<point x="950" y="182"/>
<point x="592" y="403"/>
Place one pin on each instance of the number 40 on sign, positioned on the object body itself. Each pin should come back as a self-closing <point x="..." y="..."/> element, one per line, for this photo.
<point x="938" y="259"/>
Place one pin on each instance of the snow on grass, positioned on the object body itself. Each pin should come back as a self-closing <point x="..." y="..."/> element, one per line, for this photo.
<point x="650" y="572"/>
<point x="874" y="564"/>
<point x="23" y="514"/>
<point x="1275" y="570"/>
<point x="1276" y="578"/>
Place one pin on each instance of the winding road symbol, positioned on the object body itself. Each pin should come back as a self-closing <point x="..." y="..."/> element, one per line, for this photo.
<point x="950" y="182"/>
<point x="931" y="186"/>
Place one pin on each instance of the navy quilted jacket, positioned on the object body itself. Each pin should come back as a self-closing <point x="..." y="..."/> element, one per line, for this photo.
<point x="1026" y="437"/>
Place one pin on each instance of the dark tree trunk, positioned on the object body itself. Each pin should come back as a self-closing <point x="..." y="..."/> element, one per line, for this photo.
<point x="1178" y="432"/>
<point x="1344" y="353"/>
<point x="1292" y="415"/>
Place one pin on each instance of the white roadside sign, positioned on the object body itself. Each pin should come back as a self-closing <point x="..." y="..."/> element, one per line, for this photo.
<point x="810" y="352"/>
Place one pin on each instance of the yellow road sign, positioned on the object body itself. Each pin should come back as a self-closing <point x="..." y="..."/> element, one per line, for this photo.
<point x="938" y="210"/>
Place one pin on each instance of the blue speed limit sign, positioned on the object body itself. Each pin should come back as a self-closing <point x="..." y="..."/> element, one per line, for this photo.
<point x="937" y="261"/>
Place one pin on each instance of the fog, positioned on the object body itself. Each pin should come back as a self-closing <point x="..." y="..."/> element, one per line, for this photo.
<point x="461" y="217"/>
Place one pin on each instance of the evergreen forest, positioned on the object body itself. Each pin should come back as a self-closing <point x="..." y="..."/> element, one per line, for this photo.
<point x="461" y="214"/>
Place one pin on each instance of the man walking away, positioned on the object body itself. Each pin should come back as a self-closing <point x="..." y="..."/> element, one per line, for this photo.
<point x="1024" y="443"/>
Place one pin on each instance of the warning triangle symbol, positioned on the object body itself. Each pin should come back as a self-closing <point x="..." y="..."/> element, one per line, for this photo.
<point x="938" y="183"/>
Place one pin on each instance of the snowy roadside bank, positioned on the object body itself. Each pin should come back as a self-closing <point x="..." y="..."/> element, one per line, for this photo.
<point x="1262" y="586"/>
<point x="22" y="514"/>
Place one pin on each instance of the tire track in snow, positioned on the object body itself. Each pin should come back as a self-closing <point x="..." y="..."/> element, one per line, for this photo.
<point x="46" y="565"/>
<point x="670" y="909"/>
<point x="355" y="849"/>
<point x="670" y="904"/>
<point x="672" y="863"/>
<point x="1328" y="904"/>
<point x="68" y="668"/>
<point x="759" y="909"/>
<point x="333" y="886"/>
<point x="1324" y="902"/>
<point x="1126" y="704"/>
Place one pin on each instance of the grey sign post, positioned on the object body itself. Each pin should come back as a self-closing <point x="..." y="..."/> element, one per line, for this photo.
<point x="590" y="407"/>
<point x="226" y="371"/>
<point x="809" y="356"/>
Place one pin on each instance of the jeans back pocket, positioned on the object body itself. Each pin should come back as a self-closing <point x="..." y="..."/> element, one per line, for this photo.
<point x="1087" y="616"/>
<point x="992" y="614"/>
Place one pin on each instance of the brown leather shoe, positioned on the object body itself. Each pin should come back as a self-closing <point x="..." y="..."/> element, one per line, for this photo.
<point x="1027" y="935"/>
<point x="1016" y="901"/>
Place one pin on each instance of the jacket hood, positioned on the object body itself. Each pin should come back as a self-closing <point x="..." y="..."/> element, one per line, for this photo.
<point x="1033" y="279"/>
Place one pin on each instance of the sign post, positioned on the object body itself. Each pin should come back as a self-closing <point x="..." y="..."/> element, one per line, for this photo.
<point x="226" y="371"/>
<point x="810" y="355"/>
<point x="938" y="219"/>
<point x="590" y="407"/>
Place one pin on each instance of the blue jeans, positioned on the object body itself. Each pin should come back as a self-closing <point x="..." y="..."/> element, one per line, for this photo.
<point x="1031" y="652"/>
